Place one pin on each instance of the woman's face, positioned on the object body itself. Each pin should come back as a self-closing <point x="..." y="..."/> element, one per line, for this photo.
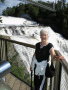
<point x="44" y="36"/>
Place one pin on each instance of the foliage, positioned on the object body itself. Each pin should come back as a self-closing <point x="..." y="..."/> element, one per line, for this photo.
<point x="58" y="5"/>
<point x="19" y="71"/>
<point x="49" y="4"/>
<point x="9" y="11"/>
<point x="65" y="22"/>
<point x="2" y="0"/>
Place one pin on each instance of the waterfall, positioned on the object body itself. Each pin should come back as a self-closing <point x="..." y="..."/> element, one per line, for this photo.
<point x="30" y="34"/>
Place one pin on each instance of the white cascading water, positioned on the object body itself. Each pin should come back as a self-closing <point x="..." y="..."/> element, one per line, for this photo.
<point x="28" y="32"/>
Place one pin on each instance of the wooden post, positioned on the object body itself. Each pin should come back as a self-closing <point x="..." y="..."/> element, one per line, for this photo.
<point x="46" y="84"/>
<point x="0" y="50"/>
<point x="6" y="51"/>
<point x="57" y="77"/>
<point x="51" y="84"/>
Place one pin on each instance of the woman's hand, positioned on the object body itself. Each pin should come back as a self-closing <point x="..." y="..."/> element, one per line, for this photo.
<point x="59" y="57"/>
<point x="54" y="56"/>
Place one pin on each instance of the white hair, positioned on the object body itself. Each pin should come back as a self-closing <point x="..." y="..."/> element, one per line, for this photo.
<point x="43" y="31"/>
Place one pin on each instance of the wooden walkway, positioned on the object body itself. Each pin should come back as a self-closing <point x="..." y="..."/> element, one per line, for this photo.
<point x="15" y="83"/>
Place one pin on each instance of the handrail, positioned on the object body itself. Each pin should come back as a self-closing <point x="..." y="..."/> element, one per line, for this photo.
<point x="17" y="42"/>
<point x="63" y="62"/>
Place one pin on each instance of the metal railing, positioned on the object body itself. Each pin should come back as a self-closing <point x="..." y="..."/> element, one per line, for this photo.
<point x="54" y="83"/>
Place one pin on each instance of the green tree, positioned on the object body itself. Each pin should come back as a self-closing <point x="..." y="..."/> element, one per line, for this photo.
<point x="65" y="22"/>
<point x="9" y="11"/>
<point x="33" y="11"/>
<point x="2" y="0"/>
<point x="58" y="5"/>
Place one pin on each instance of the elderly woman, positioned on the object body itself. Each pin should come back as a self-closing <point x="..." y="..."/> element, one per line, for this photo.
<point x="40" y="58"/>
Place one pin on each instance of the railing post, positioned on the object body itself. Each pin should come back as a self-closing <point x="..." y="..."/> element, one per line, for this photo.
<point x="6" y="51"/>
<point x="60" y="69"/>
<point x="50" y="83"/>
<point x="1" y="47"/>
<point x="46" y="84"/>
<point x="57" y="77"/>
<point x="3" y="50"/>
<point x="0" y="50"/>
